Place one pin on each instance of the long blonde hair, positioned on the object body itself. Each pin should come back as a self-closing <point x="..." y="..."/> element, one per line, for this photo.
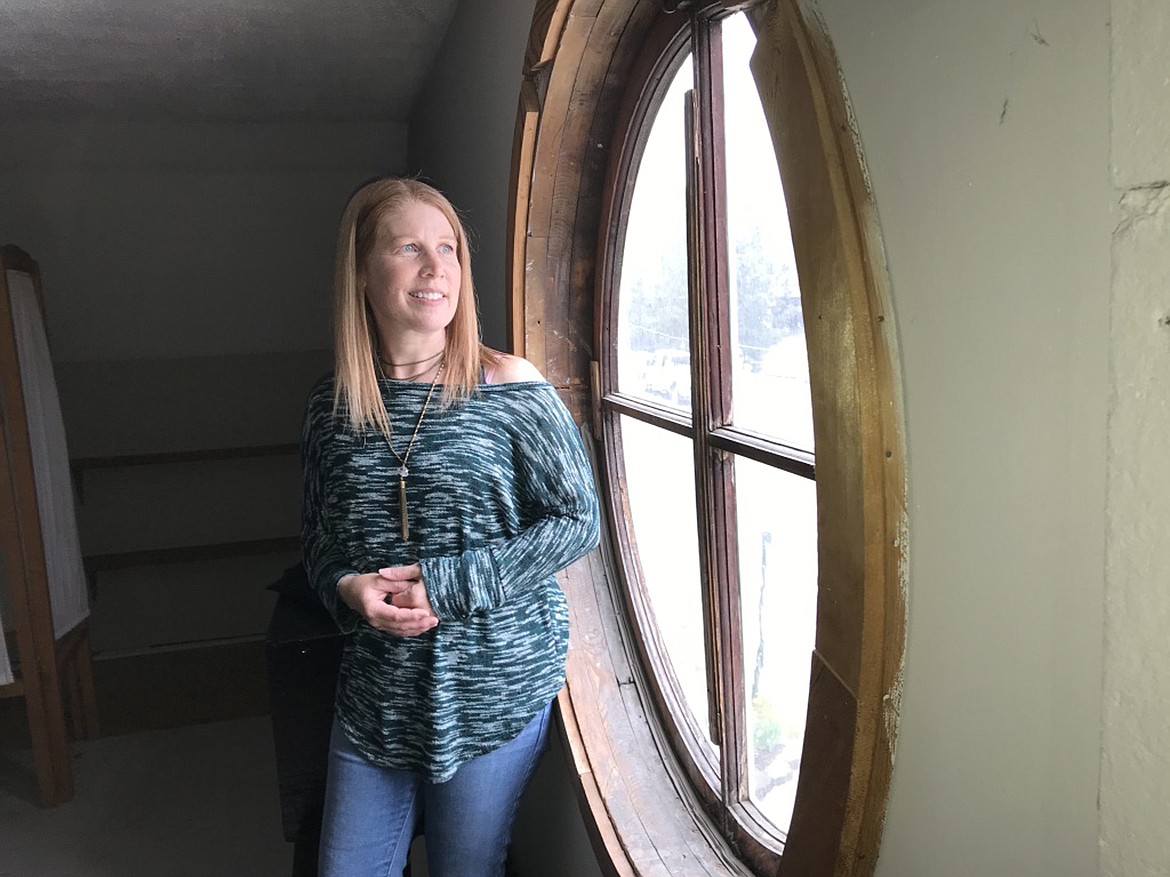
<point x="355" y="340"/>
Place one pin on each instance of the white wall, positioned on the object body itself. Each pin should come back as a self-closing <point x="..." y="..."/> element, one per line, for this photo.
<point x="173" y="239"/>
<point x="194" y="250"/>
<point x="187" y="272"/>
<point x="1135" y="766"/>
<point x="461" y="135"/>
<point x="985" y="127"/>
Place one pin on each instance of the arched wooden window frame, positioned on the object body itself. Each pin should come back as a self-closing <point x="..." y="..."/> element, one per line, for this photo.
<point x="640" y="807"/>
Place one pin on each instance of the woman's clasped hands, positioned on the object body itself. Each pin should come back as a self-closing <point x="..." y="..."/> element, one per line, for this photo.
<point x="393" y="599"/>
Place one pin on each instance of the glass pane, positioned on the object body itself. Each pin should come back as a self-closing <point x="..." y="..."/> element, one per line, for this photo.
<point x="653" y="355"/>
<point x="770" y="385"/>
<point x="777" y="514"/>
<point x="661" y="491"/>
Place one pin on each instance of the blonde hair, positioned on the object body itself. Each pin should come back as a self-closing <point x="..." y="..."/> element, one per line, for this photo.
<point x="355" y="339"/>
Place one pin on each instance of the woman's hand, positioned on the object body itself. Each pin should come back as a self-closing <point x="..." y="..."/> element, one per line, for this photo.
<point x="393" y="599"/>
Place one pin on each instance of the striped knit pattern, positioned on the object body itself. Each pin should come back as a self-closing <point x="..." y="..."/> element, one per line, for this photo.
<point x="500" y="497"/>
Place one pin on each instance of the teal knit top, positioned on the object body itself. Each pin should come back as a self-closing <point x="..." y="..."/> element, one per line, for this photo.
<point x="500" y="497"/>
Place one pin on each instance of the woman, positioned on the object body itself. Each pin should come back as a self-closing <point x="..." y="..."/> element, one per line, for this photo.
<point x="445" y="485"/>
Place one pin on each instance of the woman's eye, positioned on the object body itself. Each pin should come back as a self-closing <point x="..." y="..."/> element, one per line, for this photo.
<point x="447" y="249"/>
<point x="410" y="248"/>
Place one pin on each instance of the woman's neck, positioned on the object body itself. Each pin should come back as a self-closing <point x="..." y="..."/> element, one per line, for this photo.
<point x="416" y="361"/>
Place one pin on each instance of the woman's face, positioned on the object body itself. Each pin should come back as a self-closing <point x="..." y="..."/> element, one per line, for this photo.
<point x="412" y="275"/>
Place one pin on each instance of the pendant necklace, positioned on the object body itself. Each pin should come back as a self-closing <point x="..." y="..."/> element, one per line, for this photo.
<point x="403" y="471"/>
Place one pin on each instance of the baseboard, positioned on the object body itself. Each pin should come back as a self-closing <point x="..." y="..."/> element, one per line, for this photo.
<point x="169" y="688"/>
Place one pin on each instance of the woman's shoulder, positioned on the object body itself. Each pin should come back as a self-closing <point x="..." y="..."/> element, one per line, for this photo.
<point x="511" y="369"/>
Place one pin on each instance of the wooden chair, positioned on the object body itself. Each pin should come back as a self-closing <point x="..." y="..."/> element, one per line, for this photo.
<point x="47" y="606"/>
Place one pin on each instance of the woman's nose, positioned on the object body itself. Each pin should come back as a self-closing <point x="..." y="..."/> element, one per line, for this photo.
<point x="431" y="263"/>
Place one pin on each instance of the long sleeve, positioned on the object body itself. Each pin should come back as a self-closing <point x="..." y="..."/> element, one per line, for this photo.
<point x="325" y="562"/>
<point x="560" y="520"/>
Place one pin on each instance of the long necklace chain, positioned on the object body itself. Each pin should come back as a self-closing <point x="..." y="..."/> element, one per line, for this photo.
<point x="403" y="470"/>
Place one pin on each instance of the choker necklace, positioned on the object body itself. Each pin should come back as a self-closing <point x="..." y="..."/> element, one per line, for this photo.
<point x="403" y="471"/>
<point x="413" y="362"/>
<point x="412" y="377"/>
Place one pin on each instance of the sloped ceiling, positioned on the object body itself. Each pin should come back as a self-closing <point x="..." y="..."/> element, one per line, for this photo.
<point x="340" y="60"/>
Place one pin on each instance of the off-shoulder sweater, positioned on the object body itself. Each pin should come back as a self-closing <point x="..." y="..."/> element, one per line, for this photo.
<point x="500" y="497"/>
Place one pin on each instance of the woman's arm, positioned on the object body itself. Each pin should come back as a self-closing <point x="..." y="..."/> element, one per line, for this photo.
<point x="554" y="484"/>
<point x="325" y="562"/>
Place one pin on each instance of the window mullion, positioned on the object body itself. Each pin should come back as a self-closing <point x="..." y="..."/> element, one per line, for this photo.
<point x="708" y="557"/>
<point x="711" y="336"/>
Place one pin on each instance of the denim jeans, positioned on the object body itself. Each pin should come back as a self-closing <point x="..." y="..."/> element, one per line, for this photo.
<point x="371" y="812"/>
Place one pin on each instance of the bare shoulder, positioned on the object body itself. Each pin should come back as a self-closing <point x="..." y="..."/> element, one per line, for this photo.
<point x="515" y="369"/>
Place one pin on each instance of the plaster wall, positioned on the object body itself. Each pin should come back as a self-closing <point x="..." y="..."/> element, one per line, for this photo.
<point x="187" y="271"/>
<point x="985" y="128"/>
<point x="1135" y="762"/>
<point x="173" y="239"/>
<point x="461" y="132"/>
<point x="1140" y="89"/>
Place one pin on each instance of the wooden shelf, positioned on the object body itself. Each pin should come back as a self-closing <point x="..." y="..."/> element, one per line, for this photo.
<point x="197" y="455"/>
<point x="96" y="563"/>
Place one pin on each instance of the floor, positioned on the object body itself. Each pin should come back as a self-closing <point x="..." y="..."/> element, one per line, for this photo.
<point x="195" y="801"/>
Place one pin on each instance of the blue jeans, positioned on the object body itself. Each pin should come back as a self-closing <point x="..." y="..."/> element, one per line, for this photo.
<point x="371" y="812"/>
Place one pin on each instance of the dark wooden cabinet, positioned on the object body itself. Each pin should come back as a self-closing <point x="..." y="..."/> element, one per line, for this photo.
<point x="303" y="654"/>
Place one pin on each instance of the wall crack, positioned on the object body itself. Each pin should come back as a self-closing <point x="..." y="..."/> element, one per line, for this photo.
<point x="1141" y="203"/>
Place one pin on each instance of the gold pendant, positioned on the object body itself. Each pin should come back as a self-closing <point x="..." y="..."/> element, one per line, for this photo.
<point x="402" y="507"/>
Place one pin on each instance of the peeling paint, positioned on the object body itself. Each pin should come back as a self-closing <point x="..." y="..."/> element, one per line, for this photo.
<point x="855" y="133"/>
<point x="892" y="700"/>
<point x="816" y="19"/>
<point x="892" y="707"/>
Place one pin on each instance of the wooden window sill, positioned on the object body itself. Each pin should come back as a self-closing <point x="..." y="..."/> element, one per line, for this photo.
<point x="641" y="814"/>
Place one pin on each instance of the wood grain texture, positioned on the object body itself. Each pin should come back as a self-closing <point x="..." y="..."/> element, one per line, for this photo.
<point x="856" y="400"/>
<point x="578" y="104"/>
<point x="548" y="19"/>
<point x="567" y="170"/>
<point x="883" y="632"/>
<point x="829" y="267"/>
<point x="519" y="196"/>
<point x="815" y="834"/>
<point x="21" y="541"/>
<point x="658" y="822"/>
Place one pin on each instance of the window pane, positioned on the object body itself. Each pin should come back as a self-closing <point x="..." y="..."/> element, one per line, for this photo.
<point x="653" y="346"/>
<point x="777" y="514"/>
<point x="770" y="383"/>
<point x="661" y="491"/>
